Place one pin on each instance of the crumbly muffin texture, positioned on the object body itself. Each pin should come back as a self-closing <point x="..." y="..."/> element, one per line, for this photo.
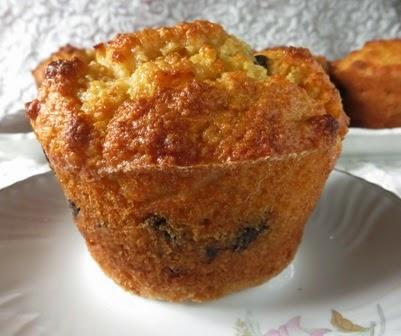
<point x="369" y="80"/>
<point x="68" y="52"/>
<point x="187" y="95"/>
<point x="191" y="163"/>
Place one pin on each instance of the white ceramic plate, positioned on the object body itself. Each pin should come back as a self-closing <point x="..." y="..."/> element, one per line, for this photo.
<point x="364" y="141"/>
<point x="345" y="280"/>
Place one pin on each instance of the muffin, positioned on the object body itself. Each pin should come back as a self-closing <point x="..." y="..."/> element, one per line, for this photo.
<point x="324" y="63"/>
<point x="191" y="165"/>
<point x="369" y="80"/>
<point x="67" y="52"/>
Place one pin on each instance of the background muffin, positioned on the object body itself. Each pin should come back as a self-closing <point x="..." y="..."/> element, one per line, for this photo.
<point x="370" y="84"/>
<point x="67" y="52"/>
<point x="191" y="165"/>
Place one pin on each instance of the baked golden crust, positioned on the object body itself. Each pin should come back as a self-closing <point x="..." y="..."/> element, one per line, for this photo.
<point x="369" y="80"/>
<point x="306" y="71"/>
<point x="67" y="52"/>
<point x="202" y="232"/>
<point x="188" y="95"/>
<point x="190" y="165"/>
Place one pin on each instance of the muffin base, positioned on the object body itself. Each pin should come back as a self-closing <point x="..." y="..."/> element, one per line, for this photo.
<point x="199" y="233"/>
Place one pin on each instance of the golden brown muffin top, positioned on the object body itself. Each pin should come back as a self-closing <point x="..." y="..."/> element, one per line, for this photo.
<point x="68" y="52"/>
<point x="184" y="95"/>
<point x="373" y="53"/>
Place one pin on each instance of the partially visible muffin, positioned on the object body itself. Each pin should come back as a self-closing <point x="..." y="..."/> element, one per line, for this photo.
<point x="67" y="52"/>
<point x="369" y="80"/>
<point x="190" y="164"/>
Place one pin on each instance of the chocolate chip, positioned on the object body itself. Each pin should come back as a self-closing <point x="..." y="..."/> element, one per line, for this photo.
<point x="206" y="221"/>
<point x="247" y="235"/>
<point x="156" y="221"/>
<point x="160" y="224"/>
<point x="211" y="252"/>
<point x="241" y="241"/>
<point x="262" y="60"/>
<point x="74" y="208"/>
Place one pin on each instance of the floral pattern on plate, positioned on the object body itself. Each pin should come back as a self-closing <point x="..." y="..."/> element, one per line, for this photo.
<point x="340" y="324"/>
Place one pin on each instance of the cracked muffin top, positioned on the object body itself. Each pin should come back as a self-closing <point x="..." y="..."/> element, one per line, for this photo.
<point x="181" y="96"/>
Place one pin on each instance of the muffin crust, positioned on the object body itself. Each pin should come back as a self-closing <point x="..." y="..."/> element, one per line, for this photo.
<point x="67" y="52"/>
<point x="184" y="96"/>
